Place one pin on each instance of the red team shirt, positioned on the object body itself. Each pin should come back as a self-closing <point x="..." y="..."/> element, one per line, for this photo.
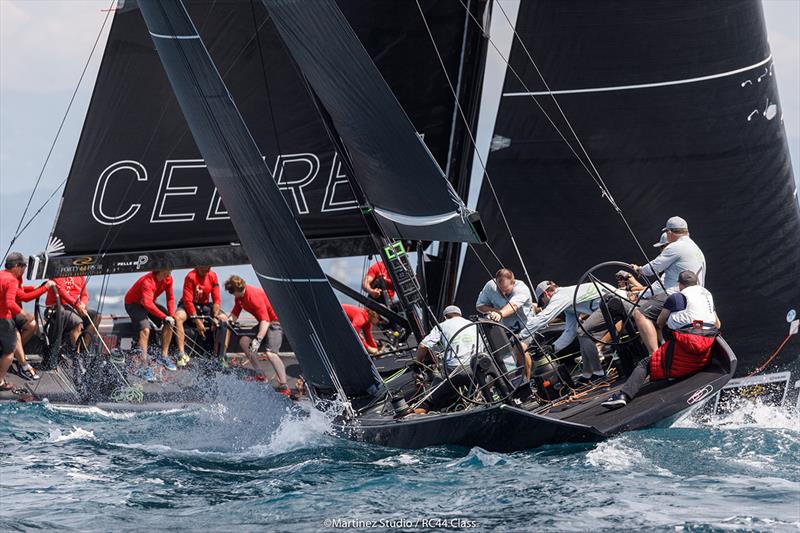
<point x="378" y="270"/>
<point x="145" y="291"/>
<point x="9" y="286"/>
<point x="198" y="290"/>
<point x="71" y="289"/>
<point x="255" y="301"/>
<point x="360" y="320"/>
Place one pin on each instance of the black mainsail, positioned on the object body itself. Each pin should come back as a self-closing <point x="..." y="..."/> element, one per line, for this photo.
<point x="677" y="104"/>
<point x="138" y="194"/>
<point x="332" y="357"/>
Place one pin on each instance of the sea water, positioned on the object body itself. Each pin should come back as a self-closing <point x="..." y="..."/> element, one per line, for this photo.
<point x="247" y="462"/>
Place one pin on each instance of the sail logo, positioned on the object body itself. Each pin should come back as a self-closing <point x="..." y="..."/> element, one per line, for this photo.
<point x="186" y="193"/>
<point x="699" y="394"/>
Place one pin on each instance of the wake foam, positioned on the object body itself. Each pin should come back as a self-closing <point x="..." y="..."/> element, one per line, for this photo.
<point x="746" y="413"/>
<point x="77" y="433"/>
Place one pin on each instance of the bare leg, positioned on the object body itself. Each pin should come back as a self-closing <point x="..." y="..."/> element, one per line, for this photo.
<point x="144" y="338"/>
<point x="166" y="339"/>
<point x="180" y="333"/>
<point x="19" y="351"/>
<point x="5" y="363"/>
<point x="244" y="343"/>
<point x="74" y="335"/>
<point x="647" y="330"/>
<point x="277" y="364"/>
<point x="28" y="331"/>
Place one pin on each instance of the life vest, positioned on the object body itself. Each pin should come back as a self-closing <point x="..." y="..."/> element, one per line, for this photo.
<point x="699" y="307"/>
<point x="686" y="353"/>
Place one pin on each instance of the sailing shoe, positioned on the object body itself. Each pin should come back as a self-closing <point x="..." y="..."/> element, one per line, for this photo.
<point x="617" y="400"/>
<point x="183" y="360"/>
<point x="167" y="363"/>
<point x="146" y="373"/>
<point x="6" y="386"/>
<point x="28" y="372"/>
<point x="284" y="389"/>
<point x="591" y="380"/>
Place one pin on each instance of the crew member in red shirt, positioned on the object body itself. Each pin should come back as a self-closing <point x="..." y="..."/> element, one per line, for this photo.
<point x="362" y="320"/>
<point x="23" y="321"/>
<point x="378" y="283"/>
<point x="200" y="298"/>
<point x="9" y="308"/>
<point x="141" y="306"/>
<point x="78" y="318"/>
<point x="254" y="301"/>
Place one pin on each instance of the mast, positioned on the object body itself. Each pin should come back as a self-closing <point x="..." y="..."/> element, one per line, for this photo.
<point x="332" y="357"/>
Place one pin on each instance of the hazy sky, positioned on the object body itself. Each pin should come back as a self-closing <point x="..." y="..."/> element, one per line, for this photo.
<point x="44" y="45"/>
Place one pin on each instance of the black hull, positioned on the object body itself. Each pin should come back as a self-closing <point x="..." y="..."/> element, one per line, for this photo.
<point x="504" y="428"/>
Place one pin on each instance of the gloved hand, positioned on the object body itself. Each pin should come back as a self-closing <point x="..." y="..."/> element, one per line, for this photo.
<point x="254" y="345"/>
<point x="169" y="320"/>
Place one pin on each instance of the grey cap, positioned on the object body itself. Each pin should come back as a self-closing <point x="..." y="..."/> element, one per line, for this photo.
<point x="15" y="258"/>
<point x="451" y="310"/>
<point x="540" y="288"/>
<point x="662" y="241"/>
<point x="622" y="274"/>
<point x="675" y="223"/>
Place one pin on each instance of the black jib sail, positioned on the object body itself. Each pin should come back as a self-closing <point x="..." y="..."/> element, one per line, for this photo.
<point x="138" y="194"/>
<point x="332" y="357"/>
<point x="676" y="102"/>
<point x="405" y="187"/>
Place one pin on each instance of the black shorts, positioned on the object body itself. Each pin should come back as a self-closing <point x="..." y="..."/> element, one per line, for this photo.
<point x="8" y="336"/>
<point x="272" y="342"/>
<point x="651" y="307"/>
<point x="200" y="309"/>
<point x="20" y="320"/>
<point x="140" y="318"/>
<point x="73" y="319"/>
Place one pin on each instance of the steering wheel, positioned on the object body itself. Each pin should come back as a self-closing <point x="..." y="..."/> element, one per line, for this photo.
<point x="606" y="294"/>
<point x="488" y="368"/>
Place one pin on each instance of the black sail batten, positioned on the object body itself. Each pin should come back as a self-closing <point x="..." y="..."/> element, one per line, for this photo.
<point x="138" y="192"/>
<point x="328" y="350"/>
<point x="408" y="193"/>
<point x="678" y="106"/>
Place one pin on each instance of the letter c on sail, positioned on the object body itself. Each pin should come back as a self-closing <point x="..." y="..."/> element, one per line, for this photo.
<point x="98" y="212"/>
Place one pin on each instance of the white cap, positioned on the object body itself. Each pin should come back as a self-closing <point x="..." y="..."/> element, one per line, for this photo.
<point x="661" y="241"/>
<point x="451" y="310"/>
<point x="540" y="288"/>
<point x="675" y="223"/>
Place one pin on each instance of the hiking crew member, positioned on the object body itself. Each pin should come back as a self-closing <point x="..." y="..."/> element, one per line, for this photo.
<point x="9" y="308"/>
<point x="141" y="306"/>
<point x="78" y="318"/>
<point x="362" y="320"/>
<point x="459" y="343"/>
<point x="505" y="299"/>
<point x="269" y="335"/>
<point x="378" y="283"/>
<point x="200" y="298"/>
<point x="692" y="324"/>
<point x="678" y="255"/>
<point x="24" y="322"/>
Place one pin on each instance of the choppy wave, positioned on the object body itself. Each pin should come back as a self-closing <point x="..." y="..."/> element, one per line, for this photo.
<point x="249" y="461"/>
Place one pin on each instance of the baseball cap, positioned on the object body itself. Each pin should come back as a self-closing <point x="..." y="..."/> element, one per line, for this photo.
<point x="622" y="274"/>
<point x="15" y="258"/>
<point x="688" y="278"/>
<point x="675" y="223"/>
<point x="451" y="310"/>
<point x="662" y="241"/>
<point x="540" y="288"/>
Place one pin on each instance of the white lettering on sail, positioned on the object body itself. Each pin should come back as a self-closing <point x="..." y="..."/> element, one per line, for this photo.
<point x="217" y="211"/>
<point x="337" y="179"/>
<point x="167" y="190"/>
<point x="98" y="207"/>
<point x="294" y="183"/>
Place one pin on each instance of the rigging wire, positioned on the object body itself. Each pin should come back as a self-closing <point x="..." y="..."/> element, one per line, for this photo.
<point x="17" y="231"/>
<point x="473" y="141"/>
